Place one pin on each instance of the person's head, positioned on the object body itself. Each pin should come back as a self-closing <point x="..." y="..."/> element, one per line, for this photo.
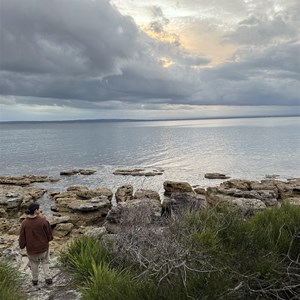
<point x="32" y="208"/>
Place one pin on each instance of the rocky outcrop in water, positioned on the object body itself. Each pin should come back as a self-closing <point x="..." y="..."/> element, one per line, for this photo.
<point x="77" y="171"/>
<point x="216" y="176"/>
<point x="137" y="172"/>
<point x="25" y="179"/>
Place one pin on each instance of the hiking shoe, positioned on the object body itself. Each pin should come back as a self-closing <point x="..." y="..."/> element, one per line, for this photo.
<point x="34" y="282"/>
<point x="49" y="281"/>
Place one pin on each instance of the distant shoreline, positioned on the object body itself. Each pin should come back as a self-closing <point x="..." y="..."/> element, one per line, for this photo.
<point x="147" y="120"/>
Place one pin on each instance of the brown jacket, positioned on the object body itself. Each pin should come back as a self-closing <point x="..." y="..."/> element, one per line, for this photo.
<point x="35" y="234"/>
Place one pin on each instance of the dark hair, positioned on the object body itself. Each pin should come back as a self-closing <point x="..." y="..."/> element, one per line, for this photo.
<point x="31" y="208"/>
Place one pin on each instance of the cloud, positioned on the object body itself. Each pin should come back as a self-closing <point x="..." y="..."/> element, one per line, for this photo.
<point x="83" y="50"/>
<point x="86" y="55"/>
<point x="263" y="29"/>
<point x="65" y="37"/>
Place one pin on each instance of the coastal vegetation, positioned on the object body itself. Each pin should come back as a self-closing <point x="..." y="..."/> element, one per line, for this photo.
<point x="211" y="253"/>
<point x="10" y="282"/>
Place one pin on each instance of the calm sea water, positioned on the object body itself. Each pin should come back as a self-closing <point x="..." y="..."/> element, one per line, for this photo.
<point x="247" y="148"/>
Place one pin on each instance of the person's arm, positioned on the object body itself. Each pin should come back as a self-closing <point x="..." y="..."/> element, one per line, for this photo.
<point x="48" y="231"/>
<point x="22" y="237"/>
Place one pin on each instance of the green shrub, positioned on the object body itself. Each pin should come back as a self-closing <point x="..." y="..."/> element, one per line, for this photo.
<point x="89" y="261"/>
<point x="10" y="282"/>
<point x="81" y="255"/>
<point x="215" y="253"/>
<point x="106" y="283"/>
<point x="260" y="251"/>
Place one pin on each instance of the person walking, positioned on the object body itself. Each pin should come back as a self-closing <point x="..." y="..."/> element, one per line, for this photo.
<point x="35" y="235"/>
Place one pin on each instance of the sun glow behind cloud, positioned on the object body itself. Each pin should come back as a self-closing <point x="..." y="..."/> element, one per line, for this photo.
<point x="139" y="59"/>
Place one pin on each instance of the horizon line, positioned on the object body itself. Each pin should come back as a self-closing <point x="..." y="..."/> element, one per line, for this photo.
<point x="149" y="120"/>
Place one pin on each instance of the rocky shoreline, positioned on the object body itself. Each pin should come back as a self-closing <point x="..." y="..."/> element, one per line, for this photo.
<point x="79" y="210"/>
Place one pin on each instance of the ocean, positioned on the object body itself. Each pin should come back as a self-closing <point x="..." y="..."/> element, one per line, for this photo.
<point x="246" y="148"/>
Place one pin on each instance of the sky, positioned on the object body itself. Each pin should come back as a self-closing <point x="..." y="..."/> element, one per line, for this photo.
<point x="130" y="59"/>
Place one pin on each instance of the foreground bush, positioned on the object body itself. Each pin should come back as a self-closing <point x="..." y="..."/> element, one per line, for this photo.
<point x="10" y="282"/>
<point x="209" y="254"/>
<point x="89" y="261"/>
<point x="108" y="283"/>
<point x="82" y="255"/>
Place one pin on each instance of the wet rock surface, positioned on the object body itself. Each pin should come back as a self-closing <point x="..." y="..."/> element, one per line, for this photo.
<point x="77" y="171"/>
<point x="25" y="179"/>
<point x="138" y="172"/>
<point x="79" y="210"/>
<point x="216" y="176"/>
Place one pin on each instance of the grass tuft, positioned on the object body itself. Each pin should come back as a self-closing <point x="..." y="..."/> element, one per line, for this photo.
<point x="10" y="282"/>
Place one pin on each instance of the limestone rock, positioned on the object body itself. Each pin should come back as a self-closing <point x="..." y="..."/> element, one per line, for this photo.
<point x="87" y="171"/>
<point x="124" y="193"/>
<point x="88" y="205"/>
<point x="77" y="188"/>
<point x="82" y="206"/>
<point x="214" y="197"/>
<point x="292" y="200"/>
<point x="63" y="229"/>
<point x="85" y="194"/>
<point x="24" y="180"/>
<point x="69" y="172"/>
<point x="242" y="185"/>
<point x="146" y="194"/>
<point x="3" y="213"/>
<point x="252" y="204"/>
<point x="104" y="192"/>
<point x="12" y="200"/>
<point x="77" y="171"/>
<point x="88" y="194"/>
<point x="263" y="195"/>
<point x="200" y="191"/>
<point x="137" y="172"/>
<point x="176" y="187"/>
<point x="95" y="231"/>
<point x="12" y="255"/>
<point x="265" y="185"/>
<point x="54" y="220"/>
<point x="216" y="176"/>
<point x="187" y="201"/>
<point x="16" y="198"/>
<point x="4" y="225"/>
<point x="272" y="176"/>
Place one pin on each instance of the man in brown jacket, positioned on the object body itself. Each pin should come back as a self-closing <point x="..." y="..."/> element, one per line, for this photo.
<point x="35" y="234"/>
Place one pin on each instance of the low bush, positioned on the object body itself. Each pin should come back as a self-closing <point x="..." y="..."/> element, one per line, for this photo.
<point x="106" y="283"/>
<point x="10" y="282"/>
<point x="81" y="255"/>
<point x="215" y="253"/>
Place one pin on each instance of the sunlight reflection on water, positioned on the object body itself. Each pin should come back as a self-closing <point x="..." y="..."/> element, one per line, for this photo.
<point x="186" y="150"/>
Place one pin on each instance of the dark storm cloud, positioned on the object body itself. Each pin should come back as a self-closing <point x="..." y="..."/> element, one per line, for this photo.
<point x="85" y="54"/>
<point x="66" y="50"/>
<point x="66" y="37"/>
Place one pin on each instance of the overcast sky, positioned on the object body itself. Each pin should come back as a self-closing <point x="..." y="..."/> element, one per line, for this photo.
<point x="87" y="59"/>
